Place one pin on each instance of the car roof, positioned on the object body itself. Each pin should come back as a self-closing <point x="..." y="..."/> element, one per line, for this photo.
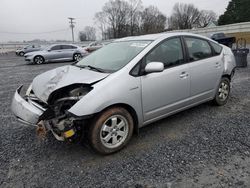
<point x="154" y="37"/>
<point x="62" y="44"/>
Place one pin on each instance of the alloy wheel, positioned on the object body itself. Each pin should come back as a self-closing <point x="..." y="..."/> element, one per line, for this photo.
<point x="223" y="91"/>
<point x="114" y="131"/>
<point x="39" y="60"/>
<point x="77" y="57"/>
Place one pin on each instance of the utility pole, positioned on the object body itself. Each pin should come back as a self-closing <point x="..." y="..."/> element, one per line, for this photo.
<point x="72" y="25"/>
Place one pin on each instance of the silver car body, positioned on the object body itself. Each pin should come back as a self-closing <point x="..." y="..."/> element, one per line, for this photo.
<point x="149" y="97"/>
<point x="29" y="48"/>
<point x="56" y="53"/>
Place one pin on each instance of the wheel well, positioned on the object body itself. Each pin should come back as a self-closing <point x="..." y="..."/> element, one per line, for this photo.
<point x="227" y="76"/>
<point x="131" y="111"/>
<point x="39" y="56"/>
<point x="76" y="53"/>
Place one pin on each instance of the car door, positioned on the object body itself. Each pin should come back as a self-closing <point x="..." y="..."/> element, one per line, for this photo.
<point x="205" y="69"/>
<point x="55" y="53"/>
<point x="68" y="52"/>
<point x="167" y="91"/>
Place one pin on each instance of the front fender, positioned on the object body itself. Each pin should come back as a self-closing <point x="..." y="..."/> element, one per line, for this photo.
<point x="108" y="92"/>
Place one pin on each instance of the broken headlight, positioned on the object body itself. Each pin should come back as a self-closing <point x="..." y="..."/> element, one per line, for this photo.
<point x="28" y="90"/>
<point x="66" y="98"/>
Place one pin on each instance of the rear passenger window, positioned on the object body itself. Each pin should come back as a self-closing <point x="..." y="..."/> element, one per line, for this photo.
<point x="217" y="48"/>
<point x="66" y="47"/>
<point x="169" y="53"/>
<point x="198" y="48"/>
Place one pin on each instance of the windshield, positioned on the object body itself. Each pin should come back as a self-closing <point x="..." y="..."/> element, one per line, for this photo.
<point x="114" y="56"/>
<point x="47" y="47"/>
<point x="27" y="46"/>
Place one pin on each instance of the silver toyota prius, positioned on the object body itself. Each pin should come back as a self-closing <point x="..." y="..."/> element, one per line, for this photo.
<point x="128" y="84"/>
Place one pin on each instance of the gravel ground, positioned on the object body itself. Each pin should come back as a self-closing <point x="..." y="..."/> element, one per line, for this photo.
<point x="205" y="146"/>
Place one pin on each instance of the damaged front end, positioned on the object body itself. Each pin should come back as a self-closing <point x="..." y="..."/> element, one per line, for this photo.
<point x="52" y="115"/>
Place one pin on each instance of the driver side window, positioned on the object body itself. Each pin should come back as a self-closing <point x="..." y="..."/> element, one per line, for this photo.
<point x="169" y="53"/>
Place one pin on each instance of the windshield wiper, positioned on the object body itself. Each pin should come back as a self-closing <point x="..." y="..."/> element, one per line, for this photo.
<point x="91" y="67"/>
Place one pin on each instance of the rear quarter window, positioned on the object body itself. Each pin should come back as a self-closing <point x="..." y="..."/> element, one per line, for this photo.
<point x="217" y="48"/>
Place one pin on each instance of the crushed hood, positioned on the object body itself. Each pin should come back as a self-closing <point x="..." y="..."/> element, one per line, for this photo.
<point x="44" y="84"/>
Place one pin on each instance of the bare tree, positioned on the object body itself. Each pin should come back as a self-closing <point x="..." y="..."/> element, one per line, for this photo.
<point x="116" y="15"/>
<point x="135" y="7"/>
<point x="101" y="22"/>
<point x="206" y="17"/>
<point x="119" y="18"/>
<point x="153" y="21"/>
<point x="184" y="16"/>
<point x="88" y="34"/>
<point x="82" y="36"/>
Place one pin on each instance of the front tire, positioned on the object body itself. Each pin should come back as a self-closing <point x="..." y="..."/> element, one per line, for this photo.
<point x="77" y="57"/>
<point x="21" y="53"/>
<point x="223" y="92"/>
<point x="111" y="130"/>
<point x="39" y="60"/>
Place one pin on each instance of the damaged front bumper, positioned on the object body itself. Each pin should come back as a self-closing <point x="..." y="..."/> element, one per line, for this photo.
<point x="29" y="112"/>
<point x="26" y="110"/>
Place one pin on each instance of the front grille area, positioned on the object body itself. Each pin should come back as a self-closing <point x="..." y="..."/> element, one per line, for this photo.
<point x="36" y="101"/>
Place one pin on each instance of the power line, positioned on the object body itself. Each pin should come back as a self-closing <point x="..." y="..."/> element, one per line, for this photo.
<point x="72" y="25"/>
<point x="46" y="32"/>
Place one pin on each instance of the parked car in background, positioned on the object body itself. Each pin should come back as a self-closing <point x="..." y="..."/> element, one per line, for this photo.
<point x="223" y="39"/>
<point x="126" y="85"/>
<point x="27" y="49"/>
<point x="94" y="46"/>
<point x="56" y="53"/>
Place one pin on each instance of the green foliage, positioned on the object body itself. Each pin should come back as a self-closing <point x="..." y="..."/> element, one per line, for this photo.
<point x="237" y="11"/>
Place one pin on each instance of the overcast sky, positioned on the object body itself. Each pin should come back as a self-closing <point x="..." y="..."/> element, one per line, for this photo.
<point x="35" y="16"/>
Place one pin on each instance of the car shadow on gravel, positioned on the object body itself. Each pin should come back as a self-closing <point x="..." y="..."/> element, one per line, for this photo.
<point x="169" y="129"/>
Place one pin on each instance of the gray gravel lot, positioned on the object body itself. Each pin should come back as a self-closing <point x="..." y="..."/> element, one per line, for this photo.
<point x="205" y="146"/>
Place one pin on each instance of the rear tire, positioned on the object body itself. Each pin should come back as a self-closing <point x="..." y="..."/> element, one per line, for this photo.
<point x="223" y="92"/>
<point x="39" y="60"/>
<point x="111" y="130"/>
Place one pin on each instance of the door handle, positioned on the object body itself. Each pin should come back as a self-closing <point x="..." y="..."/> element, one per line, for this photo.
<point x="183" y="75"/>
<point x="217" y="65"/>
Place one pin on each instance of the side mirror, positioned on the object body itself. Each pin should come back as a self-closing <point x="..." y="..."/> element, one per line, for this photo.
<point x="154" y="67"/>
<point x="49" y="50"/>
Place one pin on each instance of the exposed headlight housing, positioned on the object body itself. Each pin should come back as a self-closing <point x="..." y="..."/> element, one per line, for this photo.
<point x="28" y="90"/>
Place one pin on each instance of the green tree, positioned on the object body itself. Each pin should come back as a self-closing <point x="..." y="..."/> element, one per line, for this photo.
<point x="236" y="12"/>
